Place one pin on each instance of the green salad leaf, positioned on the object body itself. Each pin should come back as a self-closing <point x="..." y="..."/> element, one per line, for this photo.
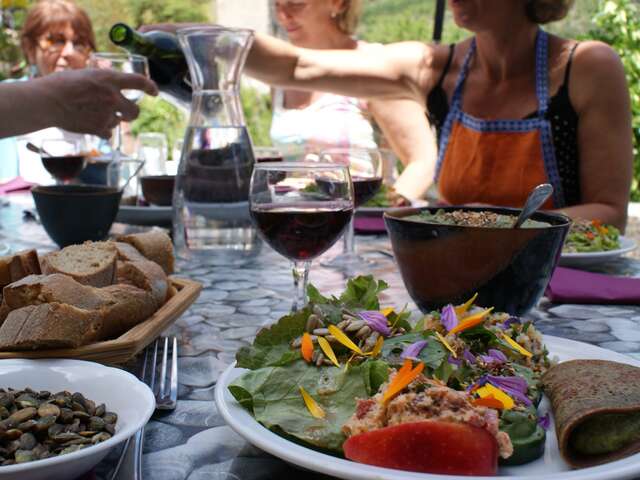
<point x="433" y="354"/>
<point x="272" y="395"/>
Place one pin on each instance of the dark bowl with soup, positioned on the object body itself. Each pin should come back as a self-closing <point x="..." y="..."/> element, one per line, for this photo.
<point x="446" y="255"/>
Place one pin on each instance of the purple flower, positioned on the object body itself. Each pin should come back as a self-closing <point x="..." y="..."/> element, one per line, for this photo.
<point x="413" y="350"/>
<point x="376" y="321"/>
<point x="448" y="317"/>
<point x="510" y="321"/>
<point x="545" y="421"/>
<point x="495" y="356"/>
<point x="454" y="361"/>
<point x="515" y="387"/>
<point x="468" y="356"/>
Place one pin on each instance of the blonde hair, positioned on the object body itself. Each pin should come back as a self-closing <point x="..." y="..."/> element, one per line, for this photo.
<point x="347" y="20"/>
<point x="545" y="11"/>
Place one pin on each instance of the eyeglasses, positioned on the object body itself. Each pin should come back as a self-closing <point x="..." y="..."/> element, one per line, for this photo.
<point x="53" y="43"/>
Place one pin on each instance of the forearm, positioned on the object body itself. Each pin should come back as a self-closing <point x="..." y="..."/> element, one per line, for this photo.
<point x="18" y="103"/>
<point x="415" y="180"/>
<point x="606" y="213"/>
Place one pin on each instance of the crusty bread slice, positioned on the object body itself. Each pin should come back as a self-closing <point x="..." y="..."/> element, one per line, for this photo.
<point x="17" y="266"/>
<point x="50" y="325"/>
<point x="128" y="307"/>
<point x="146" y="275"/>
<point x="127" y="252"/>
<point x="155" y="245"/>
<point x="4" y="311"/>
<point x="59" y="288"/>
<point x="92" y="263"/>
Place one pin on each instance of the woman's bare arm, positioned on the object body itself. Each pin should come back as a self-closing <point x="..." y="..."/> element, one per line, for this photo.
<point x="600" y="95"/>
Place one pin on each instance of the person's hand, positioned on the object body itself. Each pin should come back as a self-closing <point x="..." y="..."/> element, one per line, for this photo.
<point x="90" y="100"/>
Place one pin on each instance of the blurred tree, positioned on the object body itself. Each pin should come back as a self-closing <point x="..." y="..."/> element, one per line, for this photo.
<point x="154" y="11"/>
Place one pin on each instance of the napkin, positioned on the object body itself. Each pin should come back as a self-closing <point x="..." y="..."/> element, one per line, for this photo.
<point x="15" y="185"/>
<point x="576" y="286"/>
<point x="369" y="225"/>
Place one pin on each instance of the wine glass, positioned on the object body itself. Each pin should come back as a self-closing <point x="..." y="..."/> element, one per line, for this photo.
<point x="126" y="63"/>
<point x="365" y="167"/>
<point x="300" y="209"/>
<point x="63" y="158"/>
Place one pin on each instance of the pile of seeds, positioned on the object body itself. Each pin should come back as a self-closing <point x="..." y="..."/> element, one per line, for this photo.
<point x="37" y="425"/>
<point x="352" y="325"/>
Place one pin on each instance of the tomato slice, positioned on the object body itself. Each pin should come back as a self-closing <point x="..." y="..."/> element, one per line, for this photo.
<point x="428" y="446"/>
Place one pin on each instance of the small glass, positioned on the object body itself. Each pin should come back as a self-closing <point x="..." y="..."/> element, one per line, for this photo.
<point x="64" y="159"/>
<point x="300" y="209"/>
<point x="153" y="150"/>
<point x="365" y="166"/>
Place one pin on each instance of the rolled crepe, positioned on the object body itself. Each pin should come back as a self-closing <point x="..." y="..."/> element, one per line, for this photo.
<point x="596" y="408"/>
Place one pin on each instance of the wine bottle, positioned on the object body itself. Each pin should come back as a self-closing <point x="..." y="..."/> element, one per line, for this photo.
<point x="167" y="64"/>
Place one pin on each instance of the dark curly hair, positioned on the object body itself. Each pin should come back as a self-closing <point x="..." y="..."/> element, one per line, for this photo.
<point x="545" y="11"/>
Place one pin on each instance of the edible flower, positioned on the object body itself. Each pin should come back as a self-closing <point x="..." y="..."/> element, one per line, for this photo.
<point x="545" y="421"/>
<point x="306" y="348"/>
<point x="377" y="348"/>
<point x="376" y="321"/>
<point x="403" y="378"/>
<point x="314" y="409"/>
<point x="494" y="356"/>
<point x="490" y="402"/>
<point x="344" y="340"/>
<point x="387" y="311"/>
<point x="448" y="317"/>
<point x="510" y="321"/>
<point x="471" y="321"/>
<point x="516" y="387"/>
<point x="444" y="342"/>
<point x="454" y="361"/>
<point x="468" y="356"/>
<point x="491" y="392"/>
<point x="462" y="309"/>
<point x="516" y="346"/>
<point x="328" y="351"/>
<point x="413" y="350"/>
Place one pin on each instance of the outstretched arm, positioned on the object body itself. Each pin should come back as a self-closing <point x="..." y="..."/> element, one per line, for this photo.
<point x="86" y="101"/>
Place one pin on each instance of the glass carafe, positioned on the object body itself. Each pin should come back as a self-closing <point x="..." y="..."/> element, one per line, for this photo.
<point x="211" y="209"/>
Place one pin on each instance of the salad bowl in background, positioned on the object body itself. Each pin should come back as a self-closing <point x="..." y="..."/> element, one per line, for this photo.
<point x="447" y="264"/>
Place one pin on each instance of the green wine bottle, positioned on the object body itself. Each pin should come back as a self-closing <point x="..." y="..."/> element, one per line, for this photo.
<point x="167" y="64"/>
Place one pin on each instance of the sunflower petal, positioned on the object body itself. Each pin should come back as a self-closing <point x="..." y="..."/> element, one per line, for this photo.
<point x="328" y="351"/>
<point x="471" y="321"/>
<point x="377" y="348"/>
<point x="315" y="410"/>
<point x="344" y="340"/>
<point x="462" y="309"/>
<point x="444" y="342"/>
<point x="516" y="346"/>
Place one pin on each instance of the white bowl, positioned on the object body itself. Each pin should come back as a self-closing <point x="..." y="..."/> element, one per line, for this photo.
<point x="120" y="391"/>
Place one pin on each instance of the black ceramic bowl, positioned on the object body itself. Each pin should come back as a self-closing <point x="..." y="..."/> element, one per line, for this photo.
<point x="76" y="213"/>
<point x="508" y="268"/>
<point x="158" y="189"/>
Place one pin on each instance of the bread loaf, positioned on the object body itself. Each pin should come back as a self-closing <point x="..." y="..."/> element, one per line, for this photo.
<point x="127" y="252"/>
<point x="128" y="307"/>
<point x="92" y="263"/>
<point x="50" y="325"/>
<point x="14" y="267"/>
<point x="155" y="245"/>
<point x="146" y="275"/>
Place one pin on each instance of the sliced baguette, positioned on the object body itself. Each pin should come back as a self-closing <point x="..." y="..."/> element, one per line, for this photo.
<point x="146" y="275"/>
<point x="17" y="266"/>
<point x="127" y="252"/>
<point x="49" y="325"/>
<point x="92" y="263"/>
<point x="155" y="245"/>
<point x="128" y="307"/>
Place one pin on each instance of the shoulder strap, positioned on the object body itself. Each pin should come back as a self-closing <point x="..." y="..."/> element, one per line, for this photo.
<point x="445" y="70"/>
<point x="568" y="68"/>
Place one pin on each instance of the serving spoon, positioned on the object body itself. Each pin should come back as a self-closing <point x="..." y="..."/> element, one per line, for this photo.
<point x="39" y="150"/>
<point x="535" y="199"/>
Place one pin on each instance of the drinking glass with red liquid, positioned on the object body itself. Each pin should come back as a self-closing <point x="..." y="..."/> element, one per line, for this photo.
<point x="365" y="167"/>
<point x="297" y="216"/>
<point x="64" y="158"/>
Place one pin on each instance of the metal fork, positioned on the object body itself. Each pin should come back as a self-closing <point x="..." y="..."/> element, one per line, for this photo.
<point x="166" y="394"/>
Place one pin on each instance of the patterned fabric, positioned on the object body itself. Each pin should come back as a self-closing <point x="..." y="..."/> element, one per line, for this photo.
<point x="539" y="122"/>
<point x="331" y="121"/>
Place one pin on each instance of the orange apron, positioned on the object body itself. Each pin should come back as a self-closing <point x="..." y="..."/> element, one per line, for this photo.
<point x="498" y="162"/>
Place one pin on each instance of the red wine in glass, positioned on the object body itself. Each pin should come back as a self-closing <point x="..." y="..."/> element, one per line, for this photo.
<point x="64" y="168"/>
<point x="365" y="188"/>
<point x="269" y="158"/>
<point x="304" y="231"/>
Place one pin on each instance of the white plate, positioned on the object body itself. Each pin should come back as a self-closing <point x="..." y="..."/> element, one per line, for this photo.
<point x="585" y="259"/>
<point x="378" y="211"/>
<point x="120" y="391"/>
<point x="549" y="467"/>
<point x="148" y="216"/>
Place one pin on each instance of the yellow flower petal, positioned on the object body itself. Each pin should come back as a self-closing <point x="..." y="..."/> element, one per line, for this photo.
<point x="377" y="348"/>
<point x="314" y="409"/>
<point x="516" y="346"/>
<point x="346" y="365"/>
<point x="471" y="321"/>
<point x="444" y="342"/>
<point x="387" y="311"/>
<point x="328" y="351"/>
<point x="490" y="391"/>
<point x="344" y="340"/>
<point x="462" y="309"/>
